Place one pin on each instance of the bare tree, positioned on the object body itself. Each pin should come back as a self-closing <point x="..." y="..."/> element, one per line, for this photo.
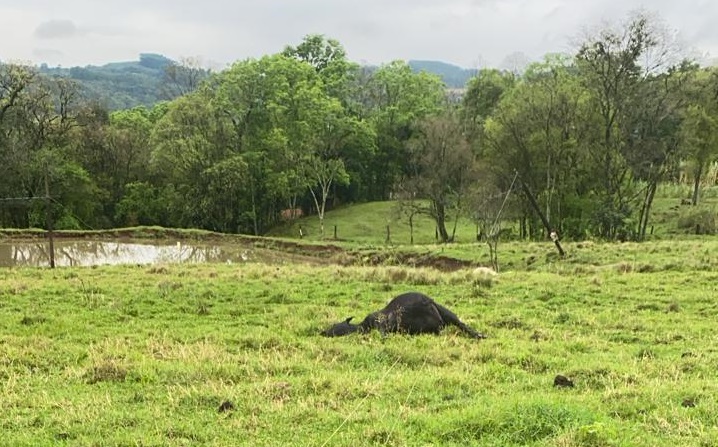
<point x="324" y="173"/>
<point x="183" y="77"/>
<point x="441" y="169"/>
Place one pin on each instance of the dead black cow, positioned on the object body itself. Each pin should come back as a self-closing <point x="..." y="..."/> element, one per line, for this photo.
<point x="410" y="313"/>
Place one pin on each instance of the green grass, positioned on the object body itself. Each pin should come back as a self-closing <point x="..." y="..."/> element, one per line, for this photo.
<point x="367" y="223"/>
<point x="145" y="356"/>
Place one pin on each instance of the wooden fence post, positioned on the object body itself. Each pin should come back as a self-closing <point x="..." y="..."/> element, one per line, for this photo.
<point x="48" y="220"/>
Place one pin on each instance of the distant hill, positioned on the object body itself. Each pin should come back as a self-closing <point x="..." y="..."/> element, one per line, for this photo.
<point x="452" y="75"/>
<point x="123" y="85"/>
<point x="119" y="85"/>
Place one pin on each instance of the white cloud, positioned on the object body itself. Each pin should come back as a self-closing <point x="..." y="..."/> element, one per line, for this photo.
<point x="56" y="29"/>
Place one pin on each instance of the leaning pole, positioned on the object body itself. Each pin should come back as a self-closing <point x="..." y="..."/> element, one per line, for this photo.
<point x="552" y="233"/>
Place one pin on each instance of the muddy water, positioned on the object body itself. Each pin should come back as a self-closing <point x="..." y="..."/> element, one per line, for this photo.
<point x="88" y="253"/>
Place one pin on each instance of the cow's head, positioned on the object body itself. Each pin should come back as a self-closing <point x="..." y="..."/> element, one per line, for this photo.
<point x="339" y="329"/>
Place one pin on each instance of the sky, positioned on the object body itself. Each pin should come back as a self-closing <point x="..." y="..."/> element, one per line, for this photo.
<point x="468" y="33"/>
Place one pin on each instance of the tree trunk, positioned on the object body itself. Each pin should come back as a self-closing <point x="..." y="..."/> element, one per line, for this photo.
<point x="696" y="186"/>
<point x="645" y="211"/>
<point x="440" y="217"/>
<point x="254" y="212"/>
<point x="411" y="228"/>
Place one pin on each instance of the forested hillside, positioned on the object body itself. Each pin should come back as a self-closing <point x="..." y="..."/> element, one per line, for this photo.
<point x="124" y="85"/>
<point x="152" y="78"/>
<point x="592" y="135"/>
<point x="452" y="75"/>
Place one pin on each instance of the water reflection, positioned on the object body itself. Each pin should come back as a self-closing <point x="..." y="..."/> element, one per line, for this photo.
<point x="87" y="253"/>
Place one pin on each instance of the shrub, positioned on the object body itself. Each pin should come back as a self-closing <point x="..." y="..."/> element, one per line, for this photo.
<point x="699" y="221"/>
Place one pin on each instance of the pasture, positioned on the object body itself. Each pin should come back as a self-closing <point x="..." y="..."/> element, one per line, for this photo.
<point x="218" y="354"/>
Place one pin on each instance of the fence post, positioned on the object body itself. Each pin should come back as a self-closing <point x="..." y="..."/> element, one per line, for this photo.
<point x="48" y="220"/>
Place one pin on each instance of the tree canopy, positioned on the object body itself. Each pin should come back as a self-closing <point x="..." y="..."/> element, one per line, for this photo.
<point x="592" y="134"/>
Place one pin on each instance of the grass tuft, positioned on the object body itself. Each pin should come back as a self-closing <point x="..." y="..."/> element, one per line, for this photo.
<point x="106" y="372"/>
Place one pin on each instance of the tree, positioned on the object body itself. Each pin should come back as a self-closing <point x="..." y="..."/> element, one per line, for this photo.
<point x="611" y="70"/>
<point x="14" y="80"/>
<point x="323" y="173"/>
<point x="39" y="120"/>
<point x="534" y="131"/>
<point x="699" y="132"/>
<point x="399" y="99"/>
<point x="483" y="93"/>
<point x="183" y="77"/>
<point x="651" y="134"/>
<point x="442" y="169"/>
<point x="328" y="57"/>
<point x="189" y="139"/>
<point x="15" y="83"/>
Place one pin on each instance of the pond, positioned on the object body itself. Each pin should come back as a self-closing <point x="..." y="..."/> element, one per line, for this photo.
<point x="95" y="252"/>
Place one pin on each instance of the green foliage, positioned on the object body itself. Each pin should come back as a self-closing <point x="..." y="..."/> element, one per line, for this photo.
<point x="483" y="93"/>
<point x="141" y="204"/>
<point x="442" y="171"/>
<point x="698" y="134"/>
<point x="592" y="136"/>
<point x="401" y="99"/>
<point x="119" y="85"/>
<point x="699" y="221"/>
<point x="329" y="59"/>
<point x="154" y="61"/>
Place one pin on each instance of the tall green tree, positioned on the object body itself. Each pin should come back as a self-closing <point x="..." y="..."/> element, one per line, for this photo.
<point x="399" y="99"/>
<point x="611" y="70"/>
<point x="329" y="58"/>
<point x="483" y="93"/>
<point x="15" y="83"/>
<point x="534" y="132"/>
<point x="651" y="135"/>
<point x="189" y="139"/>
<point x="699" y="135"/>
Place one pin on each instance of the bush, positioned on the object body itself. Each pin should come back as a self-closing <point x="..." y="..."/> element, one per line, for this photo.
<point x="699" y="221"/>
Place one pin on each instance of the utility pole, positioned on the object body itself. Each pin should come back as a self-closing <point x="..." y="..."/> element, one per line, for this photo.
<point x="552" y="233"/>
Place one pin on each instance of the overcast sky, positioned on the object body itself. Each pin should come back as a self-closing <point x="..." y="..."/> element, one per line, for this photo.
<point x="469" y="33"/>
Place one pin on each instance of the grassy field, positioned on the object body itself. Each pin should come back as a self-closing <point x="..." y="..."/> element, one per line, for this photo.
<point x="367" y="223"/>
<point x="219" y="355"/>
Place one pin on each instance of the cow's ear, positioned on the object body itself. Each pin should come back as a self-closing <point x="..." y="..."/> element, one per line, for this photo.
<point x="348" y="319"/>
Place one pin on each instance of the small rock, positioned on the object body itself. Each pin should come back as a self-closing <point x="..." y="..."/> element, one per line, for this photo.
<point x="562" y="381"/>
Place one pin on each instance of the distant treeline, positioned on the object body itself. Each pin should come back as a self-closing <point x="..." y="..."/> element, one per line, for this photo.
<point x="153" y="78"/>
<point x="591" y="135"/>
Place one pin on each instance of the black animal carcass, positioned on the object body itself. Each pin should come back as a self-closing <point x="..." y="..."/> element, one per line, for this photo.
<point x="410" y="313"/>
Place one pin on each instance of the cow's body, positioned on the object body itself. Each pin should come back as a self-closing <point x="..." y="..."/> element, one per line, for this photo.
<point x="409" y="313"/>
